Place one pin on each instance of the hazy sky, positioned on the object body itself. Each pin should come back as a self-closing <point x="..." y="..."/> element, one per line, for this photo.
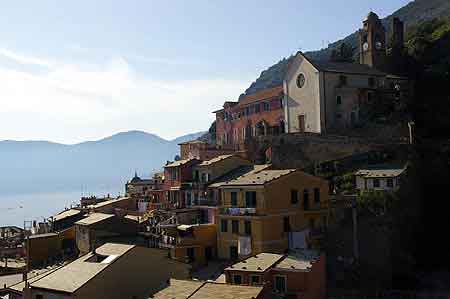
<point x="77" y="70"/>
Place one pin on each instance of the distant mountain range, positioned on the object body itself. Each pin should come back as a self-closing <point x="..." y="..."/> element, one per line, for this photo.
<point x="106" y="164"/>
<point x="412" y="14"/>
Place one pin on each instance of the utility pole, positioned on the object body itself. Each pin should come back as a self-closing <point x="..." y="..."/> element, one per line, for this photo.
<point x="411" y="131"/>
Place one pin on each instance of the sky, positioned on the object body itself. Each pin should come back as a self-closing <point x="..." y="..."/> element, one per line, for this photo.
<point x="72" y="71"/>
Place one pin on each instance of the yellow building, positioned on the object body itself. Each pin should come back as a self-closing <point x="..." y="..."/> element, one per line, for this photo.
<point x="194" y="244"/>
<point x="270" y="211"/>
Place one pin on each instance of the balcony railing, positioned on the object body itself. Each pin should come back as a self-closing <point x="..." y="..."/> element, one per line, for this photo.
<point x="238" y="211"/>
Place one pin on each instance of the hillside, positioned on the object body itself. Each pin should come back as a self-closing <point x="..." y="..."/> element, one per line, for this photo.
<point x="40" y="166"/>
<point x="412" y="14"/>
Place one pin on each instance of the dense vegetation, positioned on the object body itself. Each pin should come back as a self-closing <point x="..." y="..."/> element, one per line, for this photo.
<point x="421" y="212"/>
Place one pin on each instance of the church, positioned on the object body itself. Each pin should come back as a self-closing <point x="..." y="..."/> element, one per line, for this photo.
<point x="320" y="97"/>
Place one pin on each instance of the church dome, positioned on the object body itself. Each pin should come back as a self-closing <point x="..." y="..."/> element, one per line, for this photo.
<point x="135" y="179"/>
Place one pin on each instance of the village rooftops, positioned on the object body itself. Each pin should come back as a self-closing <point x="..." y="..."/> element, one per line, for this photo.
<point x="380" y="173"/>
<point x="94" y="218"/>
<point x="259" y="177"/>
<point x="214" y="160"/>
<point x="71" y="277"/>
<point x="347" y="68"/>
<point x="66" y="214"/>
<point x="212" y="290"/>
<point x="43" y="236"/>
<point x="195" y="141"/>
<point x="258" y="263"/>
<point x="179" y="289"/>
<point x="238" y="173"/>
<point x="180" y="163"/>
<point x="299" y="261"/>
<point x="108" y="202"/>
<point x="264" y="94"/>
<point x="183" y="289"/>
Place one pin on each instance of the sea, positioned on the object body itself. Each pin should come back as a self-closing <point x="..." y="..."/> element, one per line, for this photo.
<point x="15" y="209"/>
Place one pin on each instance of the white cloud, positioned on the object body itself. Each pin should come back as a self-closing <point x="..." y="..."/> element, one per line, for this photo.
<point x="69" y="103"/>
<point x="23" y="59"/>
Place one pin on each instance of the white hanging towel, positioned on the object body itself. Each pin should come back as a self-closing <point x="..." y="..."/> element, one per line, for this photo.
<point x="244" y="245"/>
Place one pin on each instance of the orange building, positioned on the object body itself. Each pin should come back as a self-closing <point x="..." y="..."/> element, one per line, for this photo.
<point x="298" y="274"/>
<point x="257" y="114"/>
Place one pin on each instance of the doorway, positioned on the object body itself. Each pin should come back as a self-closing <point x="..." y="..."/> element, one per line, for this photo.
<point x="301" y="123"/>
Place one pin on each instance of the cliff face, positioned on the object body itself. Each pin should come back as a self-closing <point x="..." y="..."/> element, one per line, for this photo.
<point x="412" y="14"/>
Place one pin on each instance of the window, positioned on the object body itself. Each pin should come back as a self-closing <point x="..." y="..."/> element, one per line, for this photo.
<point x="280" y="284"/>
<point x="306" y="199"/>
<point x="248" y="227"/>
<point x="233" y="199"/>
<point x="233" y="252"/>
<point x="286" y="225"/>
<point x="376" y="183"/>
<point x="343" y="80"/>
<point x="294" y="197"/>
<point x="247" y="111"/>
<point x="390" y="183"/>
<point x="235" y="226"/>
<point x="266" y="106"/>
<point x="316" y="195"/>
<point x="190" y="252"/>
<point x="371" y="82"/>
<point x="257" y="108"/>
<point x="224" y="225"/>
<point x="281" y="102"/>
<point x="188" y="198"/>
<point x="255" y="279"/>
<point x="203" y="177"/>
<point x="301" y="79"/>
<point x="237" y="279"/>
<point x="250" y="199"/>
<point x="312" y="223"/>
<point x="173" y="174"/>
<point x="338" y="100"/>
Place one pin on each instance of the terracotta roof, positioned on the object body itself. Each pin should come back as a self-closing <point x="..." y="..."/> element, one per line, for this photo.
<point x="380" y="173"/>
<point x="47" y="235"/>
<point x="226" y="291"/>
<point x="262" y="95"/>
<point x="237" y="173"/>
<point x="301" y="260"/>
<point x="258" y="178"/>
<point x="66" y="214"/>
<point x="215" y="160"/>
<point x="71" y="277"/>
<point x="346" y="68"/>
<point x="258" y="263"/>
<point x="94" y="218"/>
<point x="192" y="142"/>
<point x="179" y="289"/>
<point x="180" y="163"/>
<point x="108" y="202"/>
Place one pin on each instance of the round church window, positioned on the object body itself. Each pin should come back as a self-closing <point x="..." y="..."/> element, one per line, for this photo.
<point x="301" y="80"/>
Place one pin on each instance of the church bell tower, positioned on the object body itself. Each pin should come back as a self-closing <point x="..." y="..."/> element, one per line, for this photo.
<point x="372" y="43"/>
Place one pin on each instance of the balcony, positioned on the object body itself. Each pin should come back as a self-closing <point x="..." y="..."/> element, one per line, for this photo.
<point x="238" y="211"/>
<point x="316" y="208"/>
